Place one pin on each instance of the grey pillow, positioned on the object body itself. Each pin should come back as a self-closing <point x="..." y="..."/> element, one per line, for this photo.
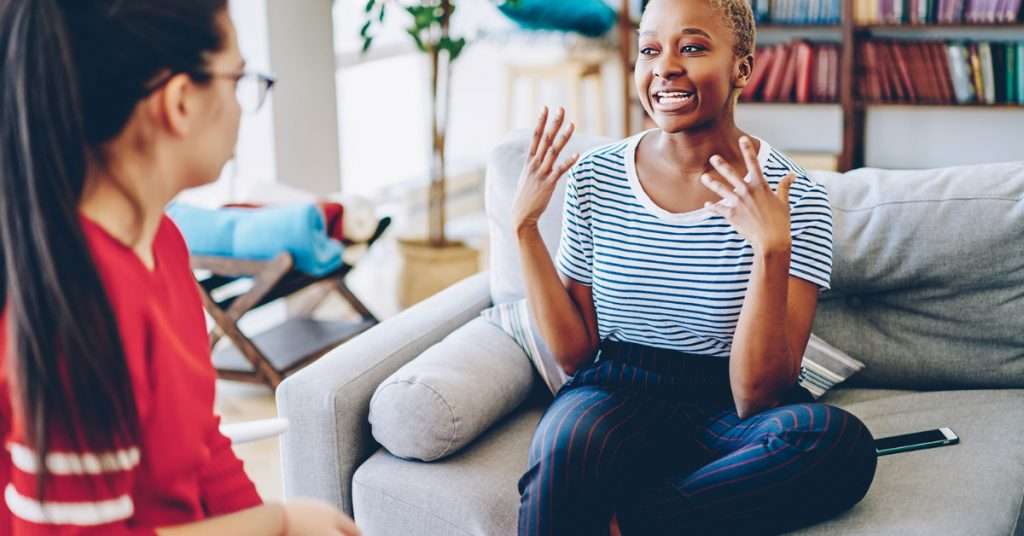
<point x="823" y="365"/>
<point x="450" y="394"/>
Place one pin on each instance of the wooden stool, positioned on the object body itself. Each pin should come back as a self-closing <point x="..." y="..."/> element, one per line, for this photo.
<point x="571" y="72"/>
<point x="272" y="355"/>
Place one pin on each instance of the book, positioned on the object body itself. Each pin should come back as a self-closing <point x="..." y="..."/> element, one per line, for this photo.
<point x="789" y="80"/>
<point x="999" y="72"/>
<point x="979" y="91"/>
<point x="773" y="84"/>
<point x="959" y="70"/>
<point x="903" y="70"/>
<point x="1020" y="73"/>
<point x="762" y="64"/>
<point x="833" y="73"/>
<point x="938" y="52"/>
<point x="987" y="75"/>
<point x="1012" y="75"/>
<point x="804" y="71"/>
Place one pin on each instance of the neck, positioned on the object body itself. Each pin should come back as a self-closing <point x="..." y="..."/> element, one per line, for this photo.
<point x="127" y="197"/>
<point x="689" y="151"/>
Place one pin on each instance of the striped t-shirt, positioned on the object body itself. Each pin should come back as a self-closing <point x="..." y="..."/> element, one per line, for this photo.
<point x="675" y="280"/>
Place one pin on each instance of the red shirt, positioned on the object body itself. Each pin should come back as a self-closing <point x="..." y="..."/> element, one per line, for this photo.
<point x="183" y="468"/>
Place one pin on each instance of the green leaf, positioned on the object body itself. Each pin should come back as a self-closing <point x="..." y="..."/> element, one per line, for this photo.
<point x="381" y="16"/>
<point x="453" y="46"/>
<point x="414" y="32"/>
<point x="366" y="44"/>
<point x="369" y="5"/>
<point x="364" y="32"/>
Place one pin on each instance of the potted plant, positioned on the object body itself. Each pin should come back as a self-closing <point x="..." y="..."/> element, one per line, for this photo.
<point x="429" y="265"/>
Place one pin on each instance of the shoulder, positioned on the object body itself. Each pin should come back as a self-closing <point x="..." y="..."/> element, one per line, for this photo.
<point x="601" y="160"/>
<point x="776" y="164"/>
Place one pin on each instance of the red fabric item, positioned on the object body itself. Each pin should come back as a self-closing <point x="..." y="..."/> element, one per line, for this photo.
<point x="183" y="469"/>
<point x="332" y="213"/>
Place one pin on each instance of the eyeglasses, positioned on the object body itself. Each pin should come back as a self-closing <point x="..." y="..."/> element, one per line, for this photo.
<point x="251" y="87"/>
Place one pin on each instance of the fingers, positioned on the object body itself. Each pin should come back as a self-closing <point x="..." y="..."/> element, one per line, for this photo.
<point x="539" y="131"/>
<point x="784" y="186"/>
<point x="754" y="178"/>
<point x="556" y="149"/>
<point x="347" y="526"/>
<point x="565" y="166"/>
<point x="727" y="171"/>
<point x="729" y="197"/>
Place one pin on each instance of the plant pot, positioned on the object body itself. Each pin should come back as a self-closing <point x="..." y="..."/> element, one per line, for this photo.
<point x="428" y="269"/>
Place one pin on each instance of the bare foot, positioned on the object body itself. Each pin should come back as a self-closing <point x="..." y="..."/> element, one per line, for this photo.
<point x="613" y="528"/>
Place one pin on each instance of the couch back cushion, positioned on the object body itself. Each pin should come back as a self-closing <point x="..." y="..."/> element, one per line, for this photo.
<point x="928" y="275"/>
<point x="928" y="267"/>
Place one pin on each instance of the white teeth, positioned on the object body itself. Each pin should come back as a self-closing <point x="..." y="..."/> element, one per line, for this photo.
<point x="673" y="97"/>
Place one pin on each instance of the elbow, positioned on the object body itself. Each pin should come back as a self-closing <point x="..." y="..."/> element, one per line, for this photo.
<point x="753" y="399"/>
<point x="572" y="360"/>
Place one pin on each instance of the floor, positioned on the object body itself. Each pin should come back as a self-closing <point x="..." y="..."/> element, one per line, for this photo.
<point x="375" y="281"/>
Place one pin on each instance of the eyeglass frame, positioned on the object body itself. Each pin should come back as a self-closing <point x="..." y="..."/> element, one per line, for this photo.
<point x="265" y="80"/>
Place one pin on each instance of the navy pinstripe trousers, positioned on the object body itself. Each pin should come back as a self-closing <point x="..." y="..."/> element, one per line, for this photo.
<point x="652" y="436"/>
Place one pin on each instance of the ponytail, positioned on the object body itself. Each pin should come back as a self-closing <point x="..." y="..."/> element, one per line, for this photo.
<point x="64" y="352"/>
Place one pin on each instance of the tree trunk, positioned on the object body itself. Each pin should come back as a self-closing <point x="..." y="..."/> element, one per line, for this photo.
<point x="440" y="64"/>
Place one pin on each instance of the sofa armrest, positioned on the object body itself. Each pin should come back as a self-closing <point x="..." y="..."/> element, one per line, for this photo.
<point x="327" y="403"/>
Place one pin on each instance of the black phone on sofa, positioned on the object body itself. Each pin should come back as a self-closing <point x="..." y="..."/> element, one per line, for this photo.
<point x="915" y="441"/>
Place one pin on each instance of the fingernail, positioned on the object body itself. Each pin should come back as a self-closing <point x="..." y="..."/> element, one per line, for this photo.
<point x="706" y="178"/>
<point x="715" y="159"/>
<point x="745" y="140"/>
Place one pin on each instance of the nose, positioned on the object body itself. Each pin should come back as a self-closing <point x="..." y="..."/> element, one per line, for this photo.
<point x="668" y="66"/>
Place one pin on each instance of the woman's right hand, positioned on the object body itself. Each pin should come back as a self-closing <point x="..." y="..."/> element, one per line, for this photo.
<point x="541" y="172"/>
<point x="309" y="517"/>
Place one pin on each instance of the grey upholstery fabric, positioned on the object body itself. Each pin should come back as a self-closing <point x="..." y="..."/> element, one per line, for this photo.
<point x="972" y="488"/>
<point x="450" y="394"/>
<point x="473" y="492"/>
<point x="327" y="403"/>
<point x="928" y="276"/>
<point x="503" y="171"/>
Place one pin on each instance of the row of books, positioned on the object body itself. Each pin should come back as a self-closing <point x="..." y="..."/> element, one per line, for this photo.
<point x="794" y="72"/>
<point x="941" y="72"/>
<point x="797" y="11"/>
<point x="867" y="12"/>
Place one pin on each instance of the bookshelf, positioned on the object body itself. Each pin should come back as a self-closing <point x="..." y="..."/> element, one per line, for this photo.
<point x="852" y="31"/>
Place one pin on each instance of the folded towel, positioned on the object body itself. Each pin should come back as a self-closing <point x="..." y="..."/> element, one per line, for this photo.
<point x="260" y="234"/>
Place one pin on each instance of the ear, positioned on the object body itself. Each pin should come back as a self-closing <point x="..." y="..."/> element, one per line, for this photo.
<point x="744" y="69"/>
<point x="175" y="104"/>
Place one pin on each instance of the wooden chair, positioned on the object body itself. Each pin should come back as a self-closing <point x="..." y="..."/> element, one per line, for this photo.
<point x="274" y="354"/>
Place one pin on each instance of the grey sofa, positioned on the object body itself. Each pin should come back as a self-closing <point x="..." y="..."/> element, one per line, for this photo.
<point x="928" y="291"/>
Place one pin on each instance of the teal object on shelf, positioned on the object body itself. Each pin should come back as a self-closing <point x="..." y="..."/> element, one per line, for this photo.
<point x="592" y="18"/>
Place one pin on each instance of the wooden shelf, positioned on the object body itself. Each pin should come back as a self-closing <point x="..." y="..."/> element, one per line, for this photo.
<point x="918" y="27"/>
<point x="853" y="108"/>
<point x="973" y="105"/>
<point x="790" y="103"/>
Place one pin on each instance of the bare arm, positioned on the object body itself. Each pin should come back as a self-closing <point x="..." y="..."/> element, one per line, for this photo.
<point x="775" y="320"/>
<point x="563" y="308"/>
<point x="771" y="336"/>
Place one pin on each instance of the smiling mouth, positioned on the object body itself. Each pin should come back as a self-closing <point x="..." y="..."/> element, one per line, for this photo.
<point x="673" y="97"/>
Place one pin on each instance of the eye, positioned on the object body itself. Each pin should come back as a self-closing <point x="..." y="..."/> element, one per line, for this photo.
<point x="647" y="51"/>
<point x="693" y="48"/>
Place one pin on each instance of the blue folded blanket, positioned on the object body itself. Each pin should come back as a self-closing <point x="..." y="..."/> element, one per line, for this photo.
<point x="260" y="234"/>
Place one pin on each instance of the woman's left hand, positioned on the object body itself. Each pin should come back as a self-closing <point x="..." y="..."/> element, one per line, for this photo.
<point x="754" y="210"/>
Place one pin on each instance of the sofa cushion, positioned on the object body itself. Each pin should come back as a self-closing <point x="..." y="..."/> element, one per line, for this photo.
<point x="503" y="169"/>
<point x="975" y="487"/>
<point x="928" y="277"/>
<point x="471" y="493"/>
<point x="451" y="393"/>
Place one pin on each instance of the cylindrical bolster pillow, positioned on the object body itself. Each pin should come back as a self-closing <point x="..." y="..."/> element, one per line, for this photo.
<point x="451" y="393"/>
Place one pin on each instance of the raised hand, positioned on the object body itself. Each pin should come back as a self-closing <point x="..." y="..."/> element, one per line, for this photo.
<point x="542" y="170"/>
<point x="758" y="214"/>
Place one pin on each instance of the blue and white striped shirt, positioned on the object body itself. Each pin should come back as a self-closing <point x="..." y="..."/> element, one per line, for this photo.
<point x="675" y="280"/>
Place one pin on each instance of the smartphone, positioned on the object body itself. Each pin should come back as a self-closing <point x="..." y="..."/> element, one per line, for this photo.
<point x="915" y="441"/>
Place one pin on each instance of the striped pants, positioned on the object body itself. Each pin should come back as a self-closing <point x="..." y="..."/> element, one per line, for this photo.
<point x="652" y="436"/>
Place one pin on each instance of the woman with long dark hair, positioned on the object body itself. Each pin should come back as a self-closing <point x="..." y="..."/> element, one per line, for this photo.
<point x="108" y="109"/>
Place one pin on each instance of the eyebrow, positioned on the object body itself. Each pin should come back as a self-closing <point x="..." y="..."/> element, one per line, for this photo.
<point x="684" y="31"/>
